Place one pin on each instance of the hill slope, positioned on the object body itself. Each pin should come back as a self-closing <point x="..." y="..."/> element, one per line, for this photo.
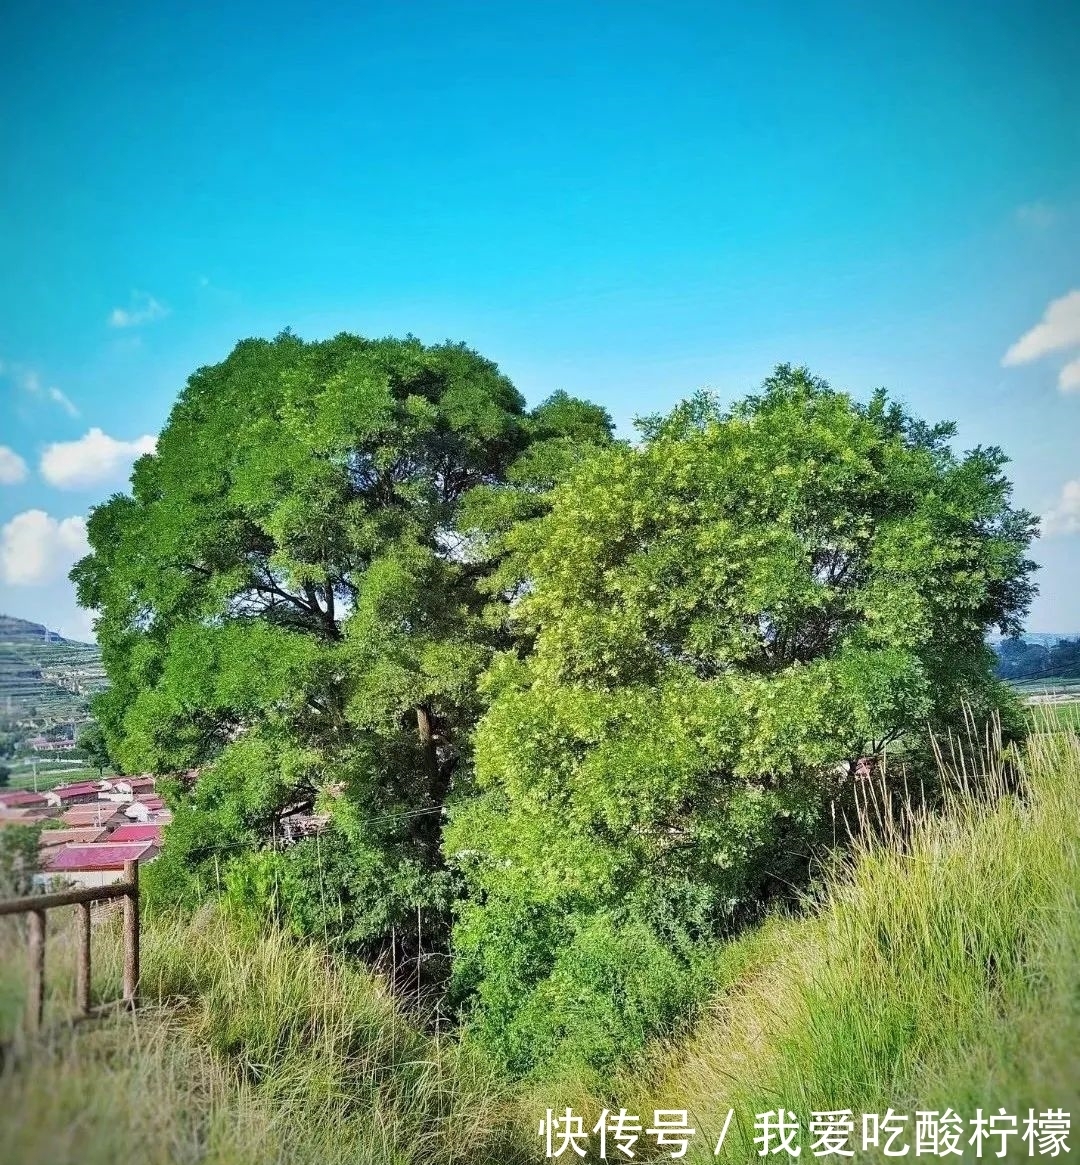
<point x="939" y="970"/>
<point x="45" y="679"/>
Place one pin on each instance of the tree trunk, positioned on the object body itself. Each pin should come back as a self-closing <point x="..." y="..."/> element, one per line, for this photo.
<point x="438" y="782"/>
<point x="425" y="730"/>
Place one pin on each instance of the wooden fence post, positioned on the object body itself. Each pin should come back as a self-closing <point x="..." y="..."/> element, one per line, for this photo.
<point x="36" y="905"/>
<point x="35" y="1006"/>
<point x="82" y="975"/>
<point x="131" y="935"/>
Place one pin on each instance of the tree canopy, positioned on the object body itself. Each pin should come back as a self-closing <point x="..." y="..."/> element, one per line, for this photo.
<point x="723" y="620"/>
<point x="289" y="608"/>
<point x="411" y="652"/>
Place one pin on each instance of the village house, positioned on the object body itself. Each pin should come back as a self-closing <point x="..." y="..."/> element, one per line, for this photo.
<point x="22" y="799"/>
<point x="78" y="794"/>
<point x="136" y="831"/>
<point x="134" y="785"/>
<point x="97" y="864"/>
<point x="124" y="789"/>
<point x="43" y="744"/>
<point x="101" y="814"/>
<point x="145" y="809"/>
<point x="84" y="835"/>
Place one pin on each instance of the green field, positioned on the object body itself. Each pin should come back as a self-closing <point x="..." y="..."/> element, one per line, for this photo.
<point x="1062" y="711"/>
<point x="1061" y="715"/>
<point x="1048" y="686"/>
<point x="50" y="772"/>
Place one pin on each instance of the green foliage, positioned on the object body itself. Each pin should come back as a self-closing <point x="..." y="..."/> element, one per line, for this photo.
<point x="290" y="605"/>
<point x="724" y="619"/>
<point x="92" y="743"/>
<point x="18" y="859"/>
<point x="5" y="775"/>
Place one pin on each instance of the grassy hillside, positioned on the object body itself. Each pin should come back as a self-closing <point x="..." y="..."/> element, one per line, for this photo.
<point x="938" y="968"/>
<point x="941" y="969"/>
<point x="46" y="683"/>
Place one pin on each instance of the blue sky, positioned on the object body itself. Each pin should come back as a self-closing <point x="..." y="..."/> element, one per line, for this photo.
<point x="625" y="200"/>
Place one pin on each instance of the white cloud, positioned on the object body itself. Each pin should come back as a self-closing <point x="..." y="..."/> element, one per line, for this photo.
<point x="1059" y="328"/>
<point x="1064" y="518"/>
<point x="36" y="548"/>
<point x="144" y="309"/>
<point x="12" y="467"/>
<point x="93" y="459"/>
<point x="1039" y="214"/>
<point x="1069" y="376"/>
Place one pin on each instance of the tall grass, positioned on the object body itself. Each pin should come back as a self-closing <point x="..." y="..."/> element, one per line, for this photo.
<point x="940" y="967"/>
<point x="249" y="1049"/>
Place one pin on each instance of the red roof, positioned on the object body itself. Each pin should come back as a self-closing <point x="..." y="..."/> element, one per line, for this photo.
<point x="101" y="855"/>
<point x="21" y="799"/>
<point x="151" y="802"/>
<point x="135" y="832"/>
<point x="83" y="789"/>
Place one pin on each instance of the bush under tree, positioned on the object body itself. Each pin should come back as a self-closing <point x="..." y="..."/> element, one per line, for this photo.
<point x="724" y="620"/>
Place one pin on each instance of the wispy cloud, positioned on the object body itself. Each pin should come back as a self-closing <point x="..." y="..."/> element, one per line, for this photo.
<point x="94" y="459"/>
<point x="1064" y="518"/>
<point x="1038" y="215"/>
<point x="143" y="309"/>
<point x="1069" y="376"/>
<point x="65" y="402"/>
<point x="13" y="469"/>
<point x="30" y="381"/>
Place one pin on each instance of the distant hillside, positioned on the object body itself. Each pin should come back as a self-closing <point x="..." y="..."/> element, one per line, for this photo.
<point x="18" y="631"/>
<point x="45" y="679"/>
<point x="1049" y="638"/>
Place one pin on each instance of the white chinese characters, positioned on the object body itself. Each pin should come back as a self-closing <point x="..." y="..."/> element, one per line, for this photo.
<point x="838" y="1133"/>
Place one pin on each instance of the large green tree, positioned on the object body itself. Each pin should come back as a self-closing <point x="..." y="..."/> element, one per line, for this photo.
<point x="289" y="608"/>
<point x="724" y="619"/>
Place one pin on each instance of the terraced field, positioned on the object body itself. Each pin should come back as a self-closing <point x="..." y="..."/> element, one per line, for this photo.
<point x="45" y="680"/>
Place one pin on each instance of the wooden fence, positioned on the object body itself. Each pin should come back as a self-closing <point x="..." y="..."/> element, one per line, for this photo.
<point x="37" y="905"/>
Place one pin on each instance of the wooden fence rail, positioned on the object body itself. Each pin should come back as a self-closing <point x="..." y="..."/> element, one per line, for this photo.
<point x="37" y="905"/>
